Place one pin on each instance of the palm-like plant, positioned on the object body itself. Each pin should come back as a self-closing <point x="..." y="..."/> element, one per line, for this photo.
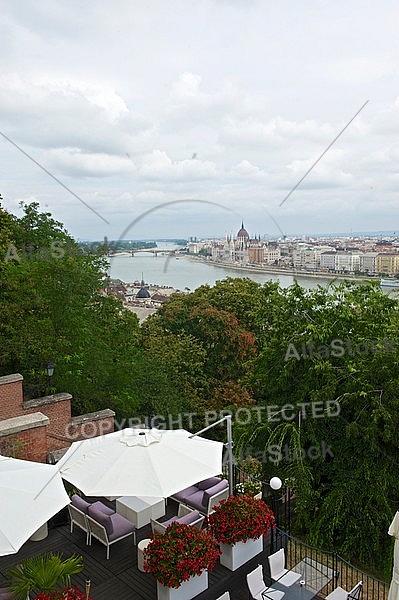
<point x="42" y="573"/>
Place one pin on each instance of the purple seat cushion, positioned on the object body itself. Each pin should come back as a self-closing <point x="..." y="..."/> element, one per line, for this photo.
<point x="183" y="494"/>
<point x="190" y="518"/>
<point x="207" y="483"/>
<point x="169" y="521"/>
<point x="219" y="487"/>
<point x="101" y="518"/>
<point x="103" y="508"/>
<point x="79" y="503"/>
<point x="195" y="500"/>
<point x="120" y="526"/>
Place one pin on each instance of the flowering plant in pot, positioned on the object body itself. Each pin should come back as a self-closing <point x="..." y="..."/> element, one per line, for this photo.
<point x="240" y="518"/>
<point x="180" y="553"/>
<point x="71" y="593"/>
<point x="249" y="487"/>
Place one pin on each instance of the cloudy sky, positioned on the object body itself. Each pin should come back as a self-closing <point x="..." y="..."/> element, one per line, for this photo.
<point x="178" y="118"/>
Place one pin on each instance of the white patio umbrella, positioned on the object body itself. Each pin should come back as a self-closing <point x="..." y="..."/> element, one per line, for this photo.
<point x="140" y="462"/>
<point x="30" y="494"/>
<point x="394" y="587"/>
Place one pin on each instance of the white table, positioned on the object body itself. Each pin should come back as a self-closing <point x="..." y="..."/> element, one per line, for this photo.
<point x="140" y="509"/>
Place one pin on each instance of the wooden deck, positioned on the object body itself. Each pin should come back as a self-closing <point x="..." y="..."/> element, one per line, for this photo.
<point x="119" y="578"/>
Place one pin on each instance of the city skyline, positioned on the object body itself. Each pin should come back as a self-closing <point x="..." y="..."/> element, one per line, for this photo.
<point x="185" y="118"/>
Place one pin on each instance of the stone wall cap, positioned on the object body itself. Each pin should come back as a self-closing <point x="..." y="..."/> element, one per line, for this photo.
<point x="47" y="400"/>
<point x="94" y="416"/>
<point x="11" y="378"/>
<point x="18" y="424"/>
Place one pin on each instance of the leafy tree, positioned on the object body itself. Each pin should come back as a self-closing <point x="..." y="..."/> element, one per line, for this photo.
<point x="53" y="309"/>
<point x="337" y="495"/>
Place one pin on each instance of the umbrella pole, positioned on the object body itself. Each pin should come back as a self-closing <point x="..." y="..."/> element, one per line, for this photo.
<point x="88" y="585"/>
<point x="229" y="445"/>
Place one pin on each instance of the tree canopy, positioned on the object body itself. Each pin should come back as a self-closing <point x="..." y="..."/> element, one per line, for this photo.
<point x="314" y="372"/>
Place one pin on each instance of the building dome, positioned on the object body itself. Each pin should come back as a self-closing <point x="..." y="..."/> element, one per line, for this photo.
<point x="243" y="233"/>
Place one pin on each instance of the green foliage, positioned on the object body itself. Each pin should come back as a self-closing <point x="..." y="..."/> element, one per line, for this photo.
<point x="42" y="573"/>
<point x="335" y="496"/>
<point x="52" y="309"/>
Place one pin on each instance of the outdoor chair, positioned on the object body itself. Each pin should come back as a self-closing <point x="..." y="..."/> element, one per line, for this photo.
<point x="257" y="586"/>
<point x="185" y="515"/>
<point x="225" y="596"/>
<point x="205" y="495"/>
<point x="340" y="594"/>
<point x="108" y="529"/>
<point x="78" y="509"/>
<point x="278" y="572"/>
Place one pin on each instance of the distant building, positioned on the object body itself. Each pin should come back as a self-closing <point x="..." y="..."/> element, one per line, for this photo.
<point x="368" y="262"/>
<point x="143" y="292"/>
<point x="387" y="264"/>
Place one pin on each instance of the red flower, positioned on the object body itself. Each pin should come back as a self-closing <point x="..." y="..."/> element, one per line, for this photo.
<point x="180" y="553"/>
<point x="240" y="518"/>
<point x="71" y="593"/>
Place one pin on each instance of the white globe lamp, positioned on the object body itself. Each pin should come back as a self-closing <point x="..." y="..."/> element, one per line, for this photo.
<point x="275" y="483"/>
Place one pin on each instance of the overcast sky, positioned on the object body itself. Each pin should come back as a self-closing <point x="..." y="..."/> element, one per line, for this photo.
<point x="136" y="104"/>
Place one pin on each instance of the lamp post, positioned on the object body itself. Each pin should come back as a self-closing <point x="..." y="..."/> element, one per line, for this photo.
<point x="50" y="372"/>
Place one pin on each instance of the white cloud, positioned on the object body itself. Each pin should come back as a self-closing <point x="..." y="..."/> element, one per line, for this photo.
<point x="158" y="165"/>
<point x="117" y="98"/>
<point x="74" y="161"/>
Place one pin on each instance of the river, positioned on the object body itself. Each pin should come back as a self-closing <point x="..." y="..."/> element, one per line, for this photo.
<point x="184" y="273"/>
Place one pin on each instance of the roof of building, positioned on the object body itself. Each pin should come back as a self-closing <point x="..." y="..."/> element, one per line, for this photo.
<point x="143" y="291"/>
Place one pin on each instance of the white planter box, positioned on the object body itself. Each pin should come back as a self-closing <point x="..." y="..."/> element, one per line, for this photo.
<point x="235" y="555"/>
<point x="188" y="589"/>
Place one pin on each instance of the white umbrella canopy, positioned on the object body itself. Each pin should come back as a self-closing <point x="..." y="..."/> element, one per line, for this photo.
<point x="140" y="462"/>
<point x="394" y="587"/>
<point x="30" y="494"/>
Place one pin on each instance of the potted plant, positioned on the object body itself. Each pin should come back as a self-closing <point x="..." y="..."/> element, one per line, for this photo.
<point x="70" y="593"/>
<point x="44" y="573"/>
<point x="239" y="524"/>
<point x="180" y="560"/>
<point x="250" y="488"/>
<point x="251" y="469"/>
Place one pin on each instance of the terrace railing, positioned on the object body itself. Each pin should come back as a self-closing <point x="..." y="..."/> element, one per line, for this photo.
<point x="345" y="574"/>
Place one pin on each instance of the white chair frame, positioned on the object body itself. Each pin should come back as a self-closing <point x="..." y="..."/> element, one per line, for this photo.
<point x="257" y="587"/>
<point x="278" y="572"/>
<point x="79" y="518"/>
<point x="158" y="527"/>
<point x="99" y="532"/>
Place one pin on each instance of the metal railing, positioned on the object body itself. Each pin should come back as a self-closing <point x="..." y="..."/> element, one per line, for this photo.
<point x="345" y="574"/>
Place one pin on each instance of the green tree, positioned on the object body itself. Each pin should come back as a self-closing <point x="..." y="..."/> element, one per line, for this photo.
<point x="53" y="309"/>
<point x="358" y="486"/>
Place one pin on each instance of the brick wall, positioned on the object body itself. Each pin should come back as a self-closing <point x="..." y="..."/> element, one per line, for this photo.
<point x="91" y="425"/>
<point x="11" y="396"/>
<point x="55" y="431"/>
<point x="25" y="437"/>
<point x="58" y="409"/>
